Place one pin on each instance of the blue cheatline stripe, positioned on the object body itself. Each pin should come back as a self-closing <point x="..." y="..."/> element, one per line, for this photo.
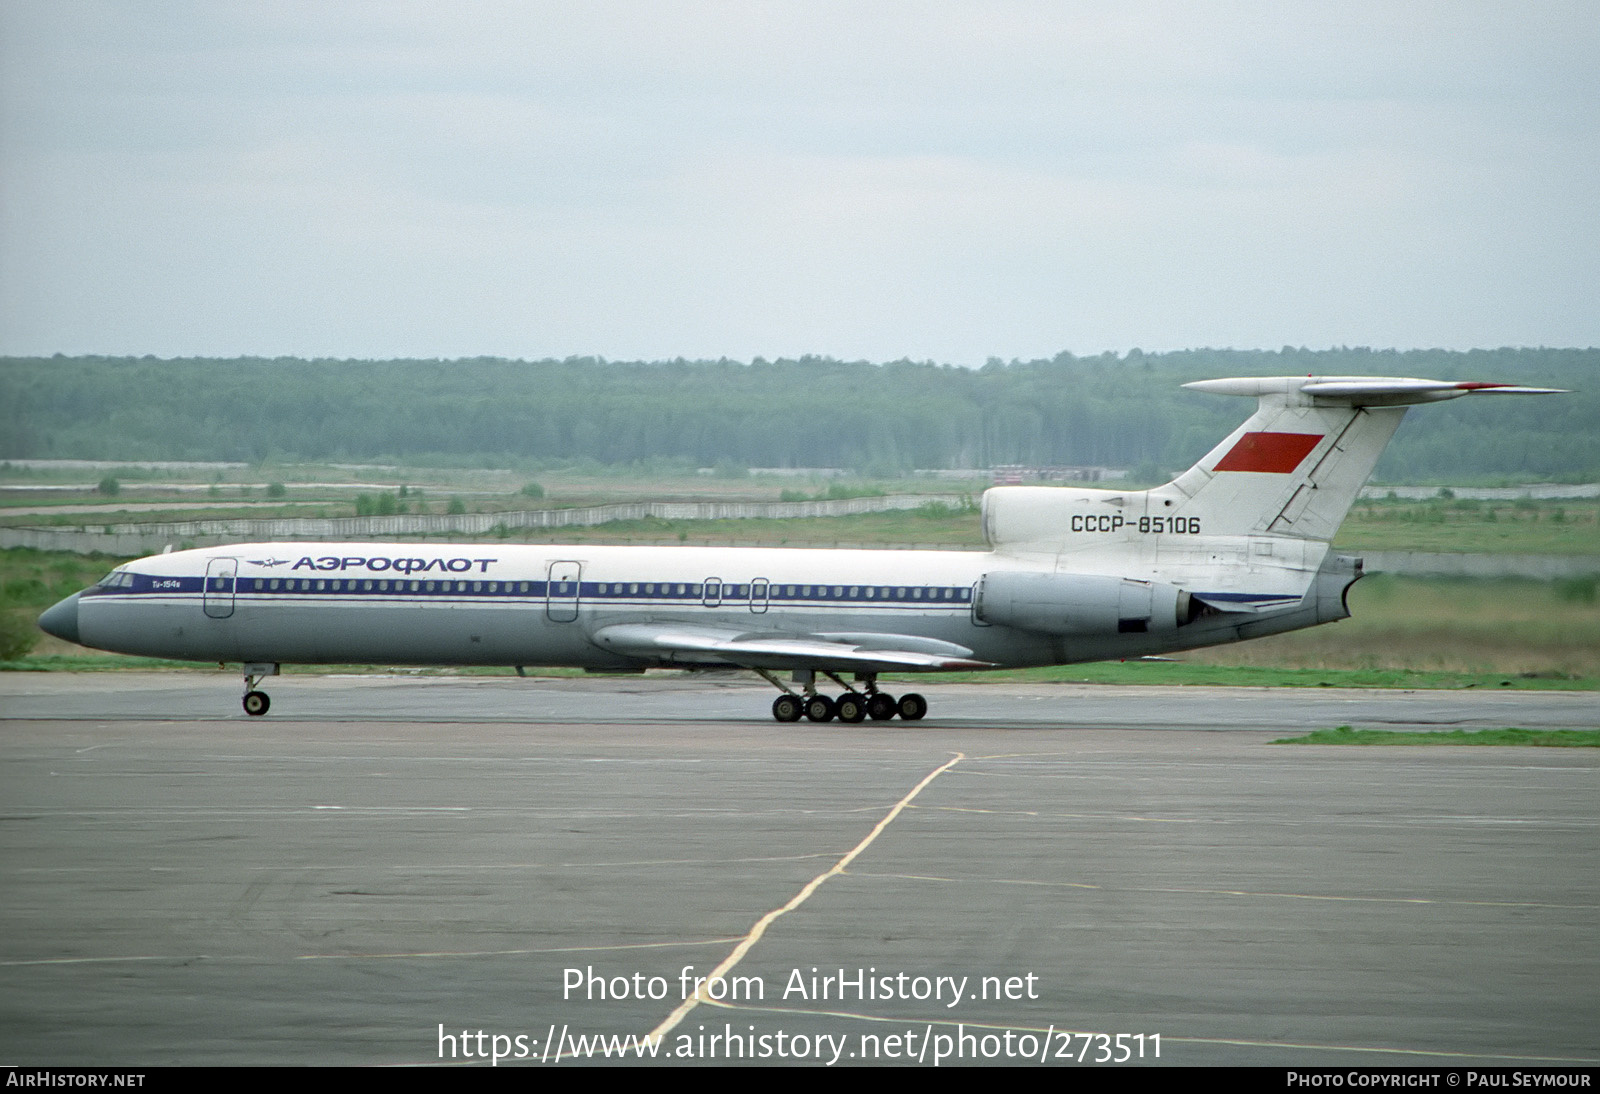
<point x="600" y="592"/>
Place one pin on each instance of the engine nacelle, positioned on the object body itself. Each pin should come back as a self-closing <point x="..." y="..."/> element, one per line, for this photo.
<point x="1080" y="604"/>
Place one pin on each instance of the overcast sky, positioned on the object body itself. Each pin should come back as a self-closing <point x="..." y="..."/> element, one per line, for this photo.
<point x="935" y="180"/>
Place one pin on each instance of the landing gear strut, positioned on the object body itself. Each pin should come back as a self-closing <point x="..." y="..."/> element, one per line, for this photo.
<point x="256" y="702"/>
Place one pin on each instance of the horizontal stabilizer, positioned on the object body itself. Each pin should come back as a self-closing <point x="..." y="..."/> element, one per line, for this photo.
<point x="1363" y="390"/>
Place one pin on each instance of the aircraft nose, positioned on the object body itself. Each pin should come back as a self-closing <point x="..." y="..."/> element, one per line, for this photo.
<point x="61" y="620"/>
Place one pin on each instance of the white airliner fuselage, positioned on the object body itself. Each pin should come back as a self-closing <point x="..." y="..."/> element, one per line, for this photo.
<point x="1236" y="547"/>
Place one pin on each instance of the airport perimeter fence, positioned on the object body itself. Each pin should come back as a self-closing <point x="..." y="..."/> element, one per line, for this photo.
<point x="143" y="539"/>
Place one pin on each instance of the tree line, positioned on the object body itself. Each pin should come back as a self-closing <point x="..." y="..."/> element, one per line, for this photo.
<point x="1117" y="410"/>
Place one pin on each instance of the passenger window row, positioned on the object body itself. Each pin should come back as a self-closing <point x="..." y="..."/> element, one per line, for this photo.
<point x="604" y="590"/>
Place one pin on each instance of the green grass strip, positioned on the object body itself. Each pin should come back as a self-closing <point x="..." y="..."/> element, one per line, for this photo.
<point x="1540" y="738"/>
<point x="1181" y="673"/>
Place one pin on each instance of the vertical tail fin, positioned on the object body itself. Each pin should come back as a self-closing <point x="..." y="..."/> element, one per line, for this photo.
<point x="1291" y="472"/>
<point x="1295" y="467"/>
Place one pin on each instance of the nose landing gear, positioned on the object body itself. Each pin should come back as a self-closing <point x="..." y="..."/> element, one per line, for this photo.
<point x="256" y="703"/>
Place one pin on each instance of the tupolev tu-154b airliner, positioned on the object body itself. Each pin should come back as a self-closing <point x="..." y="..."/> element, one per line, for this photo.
<point x="1236" y="547"/>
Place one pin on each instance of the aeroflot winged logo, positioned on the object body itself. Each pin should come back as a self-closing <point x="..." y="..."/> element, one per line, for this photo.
<point x="267" y="562"/>
<point x="1275" y="453"/>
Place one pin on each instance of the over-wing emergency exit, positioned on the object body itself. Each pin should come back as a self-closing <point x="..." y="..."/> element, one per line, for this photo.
<point x="1236" y="547"/>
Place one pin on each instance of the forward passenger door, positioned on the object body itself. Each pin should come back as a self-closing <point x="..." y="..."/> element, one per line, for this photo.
<point x="221" y="576"/>
<point x="561" y="592"/>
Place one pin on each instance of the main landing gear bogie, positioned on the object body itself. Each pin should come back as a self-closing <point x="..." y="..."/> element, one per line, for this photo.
<point x="852" y="707"/>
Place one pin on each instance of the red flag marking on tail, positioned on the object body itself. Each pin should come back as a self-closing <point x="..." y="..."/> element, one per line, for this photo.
<point x="1278" y="453"/>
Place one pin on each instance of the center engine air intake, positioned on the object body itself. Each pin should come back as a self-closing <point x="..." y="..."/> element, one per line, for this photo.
<point x="1080" y="604"/>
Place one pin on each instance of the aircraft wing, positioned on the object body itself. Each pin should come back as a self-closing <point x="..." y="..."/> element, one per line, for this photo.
<point x="691" y="644"/>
